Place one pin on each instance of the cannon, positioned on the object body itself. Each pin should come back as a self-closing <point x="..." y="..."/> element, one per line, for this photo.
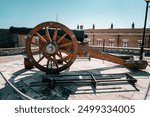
<point x="52" y="47"/>
<point x="25" y="31"/>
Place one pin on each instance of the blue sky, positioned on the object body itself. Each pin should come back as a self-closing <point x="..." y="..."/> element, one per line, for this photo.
<point x="28" y="13"/>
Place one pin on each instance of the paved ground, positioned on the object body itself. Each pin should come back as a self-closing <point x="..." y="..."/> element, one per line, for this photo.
<point x="13" y="69"/>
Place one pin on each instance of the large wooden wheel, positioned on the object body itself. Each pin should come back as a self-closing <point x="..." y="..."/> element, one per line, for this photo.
<point x="50" y="43"/>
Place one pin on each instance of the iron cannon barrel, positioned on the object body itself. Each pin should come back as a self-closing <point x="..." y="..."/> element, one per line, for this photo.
<point x="80" y="35"/>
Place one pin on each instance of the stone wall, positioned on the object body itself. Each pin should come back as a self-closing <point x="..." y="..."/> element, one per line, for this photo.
<point x="118" y="50"/>
<point x="121" y="50"/>
<point x="8" y="40"/>
<point x="12" y="51"/>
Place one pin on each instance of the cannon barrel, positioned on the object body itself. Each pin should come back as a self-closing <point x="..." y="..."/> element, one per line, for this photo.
<point x="24" y="31"/>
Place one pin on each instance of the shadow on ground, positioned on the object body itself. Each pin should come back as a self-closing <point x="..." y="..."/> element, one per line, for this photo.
<point x="25" y="77"/>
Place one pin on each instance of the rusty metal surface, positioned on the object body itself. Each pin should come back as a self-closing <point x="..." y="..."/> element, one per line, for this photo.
<point x="52" y="84"/>
<point x="102" y="79"/>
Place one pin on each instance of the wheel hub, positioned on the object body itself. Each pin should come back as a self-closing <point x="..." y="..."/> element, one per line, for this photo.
<point x="51" y="48"/>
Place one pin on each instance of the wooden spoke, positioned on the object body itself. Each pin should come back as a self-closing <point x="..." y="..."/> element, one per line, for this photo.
<point x="47" y="65"/>
<point x="42" y="38"/>
<point x="36" y="44"/>
<point x="38" y="51"/>
<point x="49" y="61"/>
<point x="59" y="52"/>
<point x="65" y="44"/>
<point x="47" y="34"/>
<point x="55" y="35"/>
<point x="55" y="61"/>
<point x="60" y="56"/>
<point x="41" y="59"/>
<point x="51" y="64"/>
<point x="61" y="38"/>
<point x="63" y="51"/>
<point x="70" y="56"/>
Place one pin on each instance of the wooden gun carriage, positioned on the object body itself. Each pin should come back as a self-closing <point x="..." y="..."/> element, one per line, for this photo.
<point x="51" y="43"/>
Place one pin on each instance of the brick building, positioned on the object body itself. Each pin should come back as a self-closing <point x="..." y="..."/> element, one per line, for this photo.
<point x="131" y="37"/>
<point x="109" y="37"/>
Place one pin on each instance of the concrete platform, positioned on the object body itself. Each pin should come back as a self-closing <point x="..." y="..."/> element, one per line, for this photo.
<point x="13" y="69"/>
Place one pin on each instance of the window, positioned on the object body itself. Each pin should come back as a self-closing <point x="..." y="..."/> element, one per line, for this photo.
<point x="100" y="42"/>
<point x="139" y="42"/>
<point x="111" y="42"/>
<point x="125" y="43"/>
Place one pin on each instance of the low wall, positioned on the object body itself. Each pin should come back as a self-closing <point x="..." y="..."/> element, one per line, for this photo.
<point x="121" y="50"/>
<point x="12" y="51"/>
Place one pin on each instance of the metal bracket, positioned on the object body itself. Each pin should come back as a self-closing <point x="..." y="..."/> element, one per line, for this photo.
<point x="131" y="81"/>
<point x="94" y="81"/>
<point x="51" y="80"/>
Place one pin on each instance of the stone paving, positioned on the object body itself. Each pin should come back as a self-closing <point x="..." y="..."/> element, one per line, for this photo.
<point x="15" y="72"/>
